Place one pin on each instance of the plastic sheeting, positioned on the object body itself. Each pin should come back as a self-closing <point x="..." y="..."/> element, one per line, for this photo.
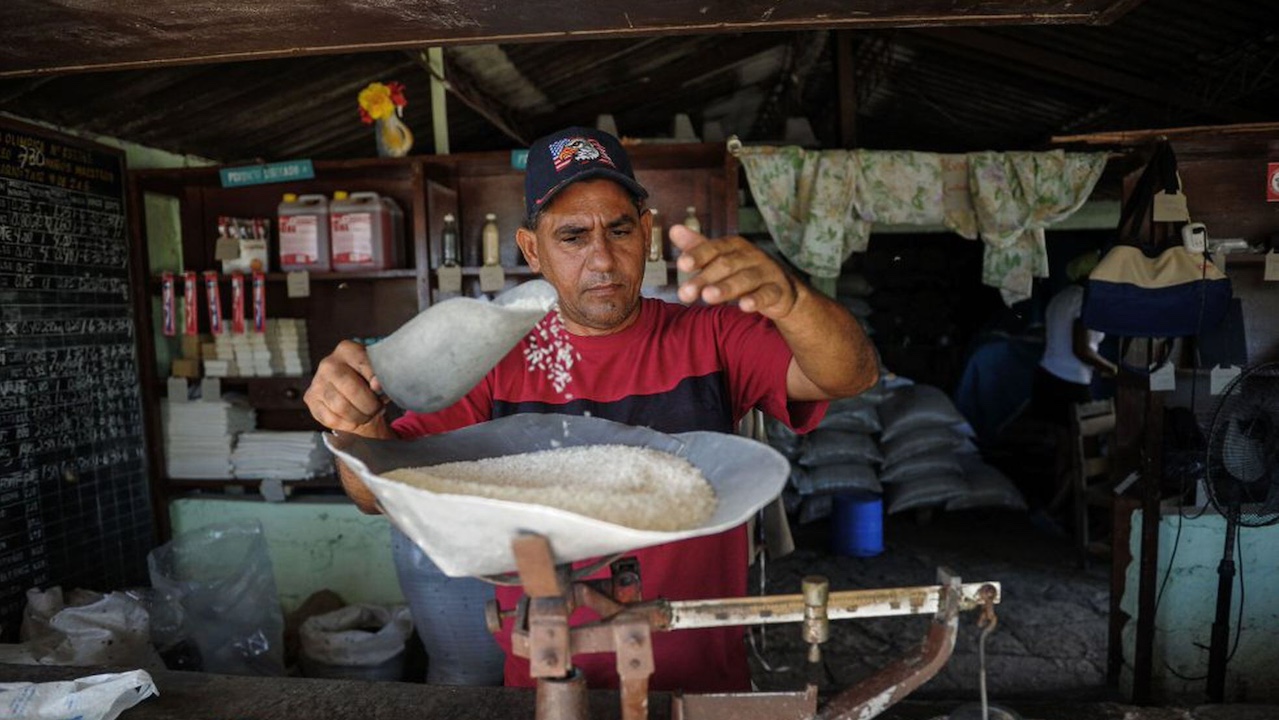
<point x="467" y="535"/>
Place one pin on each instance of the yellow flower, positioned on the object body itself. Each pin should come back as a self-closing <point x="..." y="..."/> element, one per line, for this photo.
<point x="376" y="101"/>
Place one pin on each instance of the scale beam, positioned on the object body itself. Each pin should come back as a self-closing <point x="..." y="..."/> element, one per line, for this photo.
<point x="843" y="605"/>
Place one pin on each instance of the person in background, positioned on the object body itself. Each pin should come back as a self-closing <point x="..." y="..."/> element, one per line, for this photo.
<point x="761" y="338"/>
<point x="1065" y="372"/>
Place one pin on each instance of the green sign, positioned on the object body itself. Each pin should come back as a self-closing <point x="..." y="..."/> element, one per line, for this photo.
<point x="264" y="174"/>
<point x="519" y="159"/>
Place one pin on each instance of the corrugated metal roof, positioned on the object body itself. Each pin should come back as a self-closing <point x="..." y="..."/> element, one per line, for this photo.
<point x="1166" y="63"/>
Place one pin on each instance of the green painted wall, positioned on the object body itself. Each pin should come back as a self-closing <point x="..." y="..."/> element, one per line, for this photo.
<point x="1183" y="625"/>
<point x="313" y="544"/>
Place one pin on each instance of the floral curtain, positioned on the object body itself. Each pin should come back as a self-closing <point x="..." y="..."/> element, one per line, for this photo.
<point x="820" y="205"/>
<point x="1015" y="196"/>
<point x="806" y="199"/>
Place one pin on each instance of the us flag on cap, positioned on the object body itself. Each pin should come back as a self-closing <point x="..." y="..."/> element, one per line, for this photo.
<point x="573" y="154"/>
<point x="578" y="149"/>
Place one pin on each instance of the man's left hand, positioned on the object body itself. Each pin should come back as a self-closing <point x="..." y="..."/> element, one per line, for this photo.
<point x="732" y="269"/>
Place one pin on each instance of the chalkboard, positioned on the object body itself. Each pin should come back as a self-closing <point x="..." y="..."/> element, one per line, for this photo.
<point x="74" y="501"/>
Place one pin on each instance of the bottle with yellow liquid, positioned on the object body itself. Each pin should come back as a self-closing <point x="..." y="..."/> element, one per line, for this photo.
<point x="491" y="240"/>
<point x="655" y="249"/>
<point x="691" y="222"/>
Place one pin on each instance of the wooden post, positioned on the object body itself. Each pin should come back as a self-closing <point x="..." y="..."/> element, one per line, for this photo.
<point x="439" y="114"/>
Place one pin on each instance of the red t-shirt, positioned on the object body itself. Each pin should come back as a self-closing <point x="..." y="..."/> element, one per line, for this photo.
<point x="675" y="369"/>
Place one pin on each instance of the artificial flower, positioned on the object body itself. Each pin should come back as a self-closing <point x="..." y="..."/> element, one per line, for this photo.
<point x="379" y="100"/>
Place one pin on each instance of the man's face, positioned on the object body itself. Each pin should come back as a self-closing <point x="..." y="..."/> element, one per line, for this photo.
<point x="590" y="243"/>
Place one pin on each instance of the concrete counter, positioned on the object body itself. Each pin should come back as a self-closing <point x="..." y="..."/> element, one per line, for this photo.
<point x="205" y="696"/>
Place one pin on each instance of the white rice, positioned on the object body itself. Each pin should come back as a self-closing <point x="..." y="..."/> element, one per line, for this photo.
<point x="637" y="487"/>
<point x="550" y="351"/>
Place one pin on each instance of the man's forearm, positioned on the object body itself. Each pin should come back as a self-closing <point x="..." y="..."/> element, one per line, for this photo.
<point x="357" y="490"/>
<point x="378" y="429"/>
<point x="831" y="351"/>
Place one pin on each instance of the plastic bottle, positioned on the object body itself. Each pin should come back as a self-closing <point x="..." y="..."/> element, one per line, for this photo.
<point x="491" y="241"/>
<point x="449" y="241"/>
<point x="365" y="231"/>
<point x="691" y="221"/>
<point x="304" y="233"/>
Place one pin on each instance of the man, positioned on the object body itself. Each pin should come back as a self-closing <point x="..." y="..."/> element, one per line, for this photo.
<point x="783" y="348"/>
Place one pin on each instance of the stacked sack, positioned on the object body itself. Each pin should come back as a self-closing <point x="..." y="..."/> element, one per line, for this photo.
<point x="929" y="460"/>
<point x="839" y="456"/>
<point x="905" y="441"/>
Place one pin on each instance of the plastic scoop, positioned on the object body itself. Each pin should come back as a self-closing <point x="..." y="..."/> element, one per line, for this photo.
<point x="438" y="356"/>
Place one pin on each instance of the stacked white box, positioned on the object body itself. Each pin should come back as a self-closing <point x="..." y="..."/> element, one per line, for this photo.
<point x="281" y="350"/>
<point x="287" y="340"/>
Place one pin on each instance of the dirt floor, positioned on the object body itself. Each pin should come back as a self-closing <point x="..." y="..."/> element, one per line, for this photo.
<point x="1051" y="638"/>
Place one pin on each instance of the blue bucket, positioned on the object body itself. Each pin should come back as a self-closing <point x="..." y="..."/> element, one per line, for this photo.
<point x="857" y="525"/>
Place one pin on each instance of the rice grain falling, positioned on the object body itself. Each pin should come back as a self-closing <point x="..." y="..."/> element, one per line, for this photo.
<point x="551" y="352"/>
<point x="636" y="487"/>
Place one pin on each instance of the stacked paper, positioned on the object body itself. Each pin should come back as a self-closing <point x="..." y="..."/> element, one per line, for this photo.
<point x="199" y="436"/>
<point x="276" y="455"/>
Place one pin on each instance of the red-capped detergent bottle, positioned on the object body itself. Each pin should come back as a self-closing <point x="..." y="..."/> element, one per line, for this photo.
<point x="366" y="231"/>
<point x="304" y="233"/>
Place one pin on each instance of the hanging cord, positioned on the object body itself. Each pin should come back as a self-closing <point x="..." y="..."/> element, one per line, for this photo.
<point x="988" y="622"/>
<point x="1194" y="386"/>
<point x="1181" y="515"/>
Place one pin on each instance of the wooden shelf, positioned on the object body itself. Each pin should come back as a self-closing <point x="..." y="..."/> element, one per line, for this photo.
<point x="517" y="271"/>
<point x="237" y="382"/>
<point x="315" y="277"/>
<point x="324" y="482"/>
<point x="1245" y="259"/>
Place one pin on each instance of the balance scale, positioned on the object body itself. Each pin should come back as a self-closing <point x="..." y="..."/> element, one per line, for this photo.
<point x="542" y="635"/>
<point x="468" y="536"/>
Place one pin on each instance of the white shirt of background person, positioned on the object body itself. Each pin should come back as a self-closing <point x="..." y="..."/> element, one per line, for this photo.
<point x="1059" y="350"/>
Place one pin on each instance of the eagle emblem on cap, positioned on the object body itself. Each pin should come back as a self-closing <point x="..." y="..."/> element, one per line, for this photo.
<point x="580" y="150"/>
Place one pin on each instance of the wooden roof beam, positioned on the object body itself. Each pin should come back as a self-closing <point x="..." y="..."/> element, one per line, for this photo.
<point x="56" y="38"/>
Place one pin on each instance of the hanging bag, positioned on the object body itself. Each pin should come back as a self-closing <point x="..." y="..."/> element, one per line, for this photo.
<point x="1145" y="287"/>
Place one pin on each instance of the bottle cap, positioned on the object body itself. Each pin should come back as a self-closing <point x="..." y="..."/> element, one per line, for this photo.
<point x="691" y="210"/>
<point x="448" y="217"/>
<point x="290" y="197"/>
<point x="340" y="195"/>
<point x="490" y="216"/>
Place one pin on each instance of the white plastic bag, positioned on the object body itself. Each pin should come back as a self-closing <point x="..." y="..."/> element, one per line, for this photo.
<point x="85" y="628"/>
<point x="96" y="697"/>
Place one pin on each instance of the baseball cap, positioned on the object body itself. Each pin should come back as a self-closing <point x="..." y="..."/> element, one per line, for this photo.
<point x="572" y="154"/>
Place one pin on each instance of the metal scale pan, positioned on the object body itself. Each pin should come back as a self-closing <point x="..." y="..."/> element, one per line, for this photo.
<point x="467" y="535"/>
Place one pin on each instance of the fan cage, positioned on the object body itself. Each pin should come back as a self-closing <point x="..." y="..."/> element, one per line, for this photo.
<point x="1242" y="463"/>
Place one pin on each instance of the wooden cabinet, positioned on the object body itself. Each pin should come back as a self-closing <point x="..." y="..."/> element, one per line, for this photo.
<point x="366" y="305"/>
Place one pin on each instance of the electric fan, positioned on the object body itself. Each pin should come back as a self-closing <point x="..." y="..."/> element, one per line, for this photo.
<point x="1242" y="481"/>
